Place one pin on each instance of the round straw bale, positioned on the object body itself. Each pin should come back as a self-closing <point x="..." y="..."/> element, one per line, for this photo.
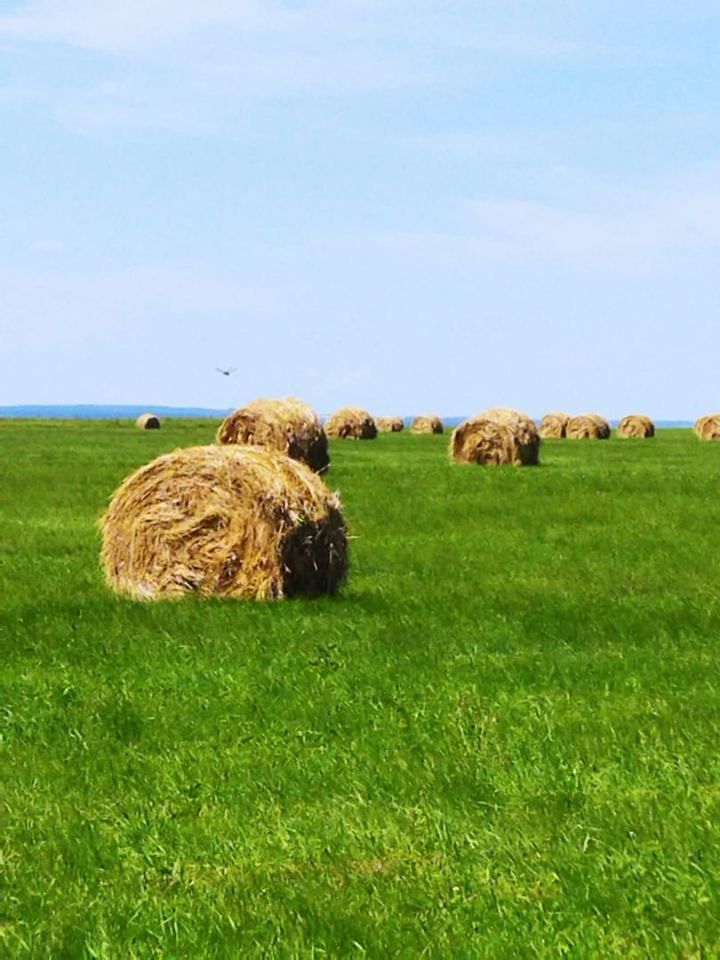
<point x="708" y="427"/>
<point x="636" y="425"/>
<point x="287" y="426"/>
<point x="390" y="424"/>
<point x="428" y="423"/>
<point x="587" y="426"/>
<point x="553" y="425"/>
<point x="230" y="521"/>
<point x="352" y="423"/>
<point x="496" y="436"/>
<point x="147" y="421"/>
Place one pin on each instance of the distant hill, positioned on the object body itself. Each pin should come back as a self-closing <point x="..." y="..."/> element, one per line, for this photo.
<point x="89" y="411"/>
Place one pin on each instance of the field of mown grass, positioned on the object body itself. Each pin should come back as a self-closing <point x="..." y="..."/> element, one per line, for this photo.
<point x="501" y="740"/>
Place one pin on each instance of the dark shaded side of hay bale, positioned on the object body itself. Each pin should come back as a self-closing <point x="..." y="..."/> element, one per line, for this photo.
<point x="228" y="521"/>
<point x="636" y="426"/>
<point x="553" y="425"/>
<point x="708" y="427"/>
<point x="496" y="437"/>
<point x="285" y="425"/>
<point x="427" y="423"/>
<point x="351" y="423"/>
<point x="587" y="426"/>
<point x="390" y="424"/>
<point x="147" y="421"/>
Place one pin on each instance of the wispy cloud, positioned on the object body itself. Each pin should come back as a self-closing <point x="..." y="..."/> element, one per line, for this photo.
<point x="675" y="227"/>
<point x="124" y="26"/>
<point x="190" y="65"/>
<point x="138" y="26"/>
<point x="187" y="65"/>
<point x="269" y="46"/>
<point x="47" y="246"/>
<point x="93" y="306"/>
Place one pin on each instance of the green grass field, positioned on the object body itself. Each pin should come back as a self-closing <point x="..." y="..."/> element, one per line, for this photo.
<point x="501" y="740"/>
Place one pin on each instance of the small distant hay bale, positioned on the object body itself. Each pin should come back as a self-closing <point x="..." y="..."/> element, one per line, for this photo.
<point x="496" y="436"/>
<point x="390" y="424"/>
<point x="286" y="425"/>
<point x="636" y="425"/>
<point x="553" y="425"/>
<point x="147" y="421"/>
<point x="351" y="423"/>
<point x="428" y="423"/>
<point x="230" y="521"/>
<point x="708" y="427"/>
<point x="587" y="426"/>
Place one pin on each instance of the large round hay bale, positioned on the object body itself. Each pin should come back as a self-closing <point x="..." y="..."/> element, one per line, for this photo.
<point x="496" y="436"/>
<point x="587" y="426"/>
<point x="553" y="425"/>
<point x="287" y="425"/>
<point x="147" y="421"/>
<point x="230" y="521"/>
<point x="351" y="423"/>
<point x="636" y="425"/>
<point x="708" y="427"/>
<point x="428" y="423"/>
<point x="390" y="424"/>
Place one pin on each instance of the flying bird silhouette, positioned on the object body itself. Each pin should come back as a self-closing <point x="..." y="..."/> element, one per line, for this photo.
<point x="226" y="373"/>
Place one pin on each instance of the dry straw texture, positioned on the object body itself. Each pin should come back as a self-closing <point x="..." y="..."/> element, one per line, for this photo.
<point x="588" y="426"/>
<point x="708" y="427"/>
<point x="147" y="421"/>
<point x="429" y="423"/>
<point x="390" y="424"/>
<point x="288" y="426"/>
<point x="352" y="423"/>
<point x="228" y="521"/>
<point x="636" y="425"/>
<point x="496" y="436"/>
<point x="553" y="425"/>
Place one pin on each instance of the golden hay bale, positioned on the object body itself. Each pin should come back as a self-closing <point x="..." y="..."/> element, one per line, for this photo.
<point x="553" y="425"/>
<point x="287" y="426"/>
<point x="228" y="521"/>
<point x="352" y="423"/>
<point x="496" y="436"/>
<point x="587" y="426"/>
<point x="708" y="427"/>
<point x="390" y="424"/>
<point x="636" y="425"/>
<point x="148" y="421"/>
<point x="429" y="423"/>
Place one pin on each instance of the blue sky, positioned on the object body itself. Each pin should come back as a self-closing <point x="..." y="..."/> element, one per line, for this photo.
<point x="407" y="205"/>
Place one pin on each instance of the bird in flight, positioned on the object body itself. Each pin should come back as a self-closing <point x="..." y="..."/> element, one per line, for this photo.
<point x="226" y="373"/>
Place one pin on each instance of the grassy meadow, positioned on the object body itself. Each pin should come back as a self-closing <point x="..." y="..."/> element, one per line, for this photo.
<point x="501" y="740"/>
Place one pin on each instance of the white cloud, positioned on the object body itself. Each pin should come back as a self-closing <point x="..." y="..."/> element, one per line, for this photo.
<point x="190" y="65"/>
<point x="130" y="25"/>
<point x="76" y="307"/>
<point x="311" y="42"/>
<point x="678" y="225"/>
<point x="187" y="65"/>
<point x="47" y="246"/>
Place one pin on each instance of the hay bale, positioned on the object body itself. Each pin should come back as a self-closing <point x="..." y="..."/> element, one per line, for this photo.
<point x="390" y="424"/>
<point x="496" y="436"/>
<point x="229" y="521"/>
<point x="287" y="426"/>
<point x="708" y="427"/>
<point x="352" y="423"/>
<point x="553" y="425"/>
<point x="429" y="423"/>
<point x="147" y="421"/>
<point x="587" y="426"/>
<point x="636" y="425"/>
